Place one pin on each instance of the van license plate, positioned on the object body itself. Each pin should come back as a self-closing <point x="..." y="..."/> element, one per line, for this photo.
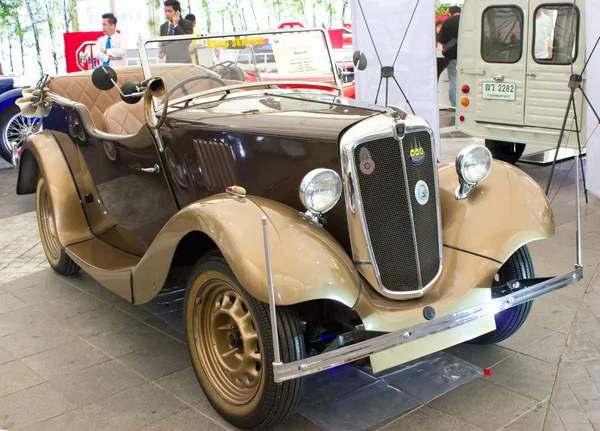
<point x="499" y="91"/>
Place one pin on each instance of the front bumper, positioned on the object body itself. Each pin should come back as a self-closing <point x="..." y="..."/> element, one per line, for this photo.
<point x="344" y="355"/>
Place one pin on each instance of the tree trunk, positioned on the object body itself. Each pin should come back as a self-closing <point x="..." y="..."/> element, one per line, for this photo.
<point x="52" y="33"/>
<point x="36" y="35"/>
<point x="10" y="54"/>
<point x="206" y="9"/>
<point x="344" y="6"/>
<point x="189" y="6"/>
<point x="20" y="35"/>
<point x="254" y="15"/>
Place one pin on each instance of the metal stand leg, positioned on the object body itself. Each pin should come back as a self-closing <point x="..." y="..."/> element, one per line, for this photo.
<point x="405" y="98"/>
<point x="272" y="308"/>
<point x="577" y="131"/>
<point x="560" y="137"/>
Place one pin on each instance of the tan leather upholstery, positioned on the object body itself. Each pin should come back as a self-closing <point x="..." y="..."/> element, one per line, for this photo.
<point x="78" y="87"/>
<point x="124" y="119"/>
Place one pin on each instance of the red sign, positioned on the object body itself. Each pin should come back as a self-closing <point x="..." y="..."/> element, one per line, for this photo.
<point x="79" y="50"/>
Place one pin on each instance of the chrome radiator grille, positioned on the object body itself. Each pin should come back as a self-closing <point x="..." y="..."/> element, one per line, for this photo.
<point x="408" y="260"/>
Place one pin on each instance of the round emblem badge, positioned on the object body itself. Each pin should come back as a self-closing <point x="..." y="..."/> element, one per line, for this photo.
<point x="367" y="165"/>
<point x="422" y="192"/>
<point x="417" y="155"/>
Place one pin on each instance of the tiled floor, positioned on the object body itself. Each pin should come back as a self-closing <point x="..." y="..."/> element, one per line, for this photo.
<point x="73" y="356"/>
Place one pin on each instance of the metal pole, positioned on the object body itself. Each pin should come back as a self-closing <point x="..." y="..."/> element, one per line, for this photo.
<point x="271" y="293"/>
<point x="578" y="212"/>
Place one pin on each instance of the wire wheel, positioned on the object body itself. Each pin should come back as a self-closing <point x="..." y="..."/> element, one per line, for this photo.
<point x="47" y="224"/>
<point x="17" y="129"/>
<point x="226" y="340"/>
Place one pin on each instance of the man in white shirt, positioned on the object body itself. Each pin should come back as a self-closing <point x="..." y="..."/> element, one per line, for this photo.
<point x="543" y="32"/>
<point x="111" y="49"/>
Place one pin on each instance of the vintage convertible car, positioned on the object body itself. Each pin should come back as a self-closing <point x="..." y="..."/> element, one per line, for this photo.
<point x="312" y="230"/>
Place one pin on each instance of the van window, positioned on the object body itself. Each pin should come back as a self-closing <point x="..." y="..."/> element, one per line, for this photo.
<point x="502" y="34"/>
<point x="556" y="29"/>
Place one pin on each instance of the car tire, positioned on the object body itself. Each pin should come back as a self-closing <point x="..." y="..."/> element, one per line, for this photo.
<point x="8" y="116"/>
<point x="508" y="152"/>
<point x="509" y="321"/>
<point x="54" y="250"/>
<point x="231" y="348"/>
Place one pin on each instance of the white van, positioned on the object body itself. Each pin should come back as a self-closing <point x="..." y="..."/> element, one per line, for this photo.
<point x="514" y="65"/>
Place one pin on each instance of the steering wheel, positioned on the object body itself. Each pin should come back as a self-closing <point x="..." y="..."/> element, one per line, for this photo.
<point x="225" y="69"/>
<point x="194" y="78"/>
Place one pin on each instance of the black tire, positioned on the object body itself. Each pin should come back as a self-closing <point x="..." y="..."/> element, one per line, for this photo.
<point x="54" y="250"/>
<point x="508" y="152"/>
<point x="509" y="321"/>
<point x="272" y="403"/>
<point x="5" y="117"/>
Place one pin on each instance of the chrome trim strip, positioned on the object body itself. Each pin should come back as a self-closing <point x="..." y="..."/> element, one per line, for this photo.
<point x="400" y="141"/>
<point x="344" y="355"/>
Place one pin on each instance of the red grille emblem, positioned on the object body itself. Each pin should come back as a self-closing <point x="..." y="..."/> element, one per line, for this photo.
<point x="367" y="165"/>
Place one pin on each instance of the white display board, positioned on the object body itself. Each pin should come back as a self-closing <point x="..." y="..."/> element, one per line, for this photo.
<point x="416" y="67"/>
<point x="592" y="88"/>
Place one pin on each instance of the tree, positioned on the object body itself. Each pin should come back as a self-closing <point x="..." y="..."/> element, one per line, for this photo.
<point x="442" y="9"/>
<point x="50" y="7"/>
<point x="206" y="9"/>
<point x="32" y="12"/>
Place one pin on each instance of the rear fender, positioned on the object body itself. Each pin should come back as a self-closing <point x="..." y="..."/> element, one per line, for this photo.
<point x="307" y="261"/>
<point x="8" y="98"/>
<point x="506" y="211"/>
<point x="42" y="156"/>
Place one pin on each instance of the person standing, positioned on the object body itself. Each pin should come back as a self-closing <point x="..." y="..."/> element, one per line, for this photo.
<point x="111" y="49"/>
<point x="544" y="28"/>
<point x="448" y="37"/>
<point x="176" y="51"/>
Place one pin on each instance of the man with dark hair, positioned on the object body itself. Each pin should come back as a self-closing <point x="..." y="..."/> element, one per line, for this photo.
<point x="176" y="52"/>
<point x="111" y="49"/>
<point x="448" y="37"/>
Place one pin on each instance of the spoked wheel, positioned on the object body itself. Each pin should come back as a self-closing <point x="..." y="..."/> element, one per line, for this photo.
<point x="231" y="349"/>
<point x="15" y="128"/>
<point x="54" y="250"/>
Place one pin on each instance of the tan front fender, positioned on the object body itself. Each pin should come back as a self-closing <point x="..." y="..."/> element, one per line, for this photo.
<point x="307" y="262"/>
<point x="506" y="211"/>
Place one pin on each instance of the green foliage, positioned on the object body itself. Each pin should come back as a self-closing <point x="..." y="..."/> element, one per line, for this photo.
<point x="443" y="8"/>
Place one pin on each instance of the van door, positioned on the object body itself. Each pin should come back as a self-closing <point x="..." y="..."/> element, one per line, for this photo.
<point x="556" y="36"/>
<point x="499" y="71"/>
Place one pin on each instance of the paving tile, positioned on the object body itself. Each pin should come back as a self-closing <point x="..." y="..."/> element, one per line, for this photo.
<point x="14" y="376"/>
<point x="98" y="321"/>
<point x="75" y="420"/>
<point x="46" y="292"/>
<point x="6" y="356"/>
<point x="579" y="427"/>
<point x="530" y="421"/>
<point x="32" y="405"/>
<point x="553" y="422"/>
<point x="588" y="396"/>
<point x="157" y="361"/>
<point x="96" y="382"/>
<point x="183" y="385"/>
<point x="70" y="305"/>
<point x="295" y="422"/>
<point x="22" y="320"/>
<point x="551" y="315"/>
<point x="10" y="303"/>
<point x="525" y="337"/>
<point x="471" y="403"/>
<point x="64" y="360"/>
<point x="122" y="341"/>
<point x="586" y="355"/>
<point x="567" y="406"/>
<point x="134" y="409"/>
<point x="572" y="372"/>
<point x="427" y="418"/>
<point x="37" y="340"/>
<point x="593" y="368"/>
<point x="548" y="349"/>
<point x="188" y="420"/>
<point x="483" y="356"/>
<point x="38" y="278"/>
<point x="526" y="375"/>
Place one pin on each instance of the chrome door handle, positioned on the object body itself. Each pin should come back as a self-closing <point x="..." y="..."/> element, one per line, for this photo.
<point x="153" y="170"/>
<point x="498" y="77"/>
<point x="532" y="74"/>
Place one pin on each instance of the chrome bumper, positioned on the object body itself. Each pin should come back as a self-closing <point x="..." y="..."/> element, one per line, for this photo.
<point x="343" y="355"/>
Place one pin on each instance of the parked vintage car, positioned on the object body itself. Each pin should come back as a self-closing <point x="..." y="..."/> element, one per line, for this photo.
<point x="280" y="201"/>
<point x="14" y="128"/>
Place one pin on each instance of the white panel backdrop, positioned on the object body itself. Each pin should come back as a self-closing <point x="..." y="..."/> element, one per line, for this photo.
<point x="592" y="87"/>
<point x="415" y="69"/>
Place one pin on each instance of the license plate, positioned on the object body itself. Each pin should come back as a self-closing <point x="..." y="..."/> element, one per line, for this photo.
<point x="499" y="91"/>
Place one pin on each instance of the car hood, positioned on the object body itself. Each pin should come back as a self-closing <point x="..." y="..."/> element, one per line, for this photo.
<point x="311" y="115"/>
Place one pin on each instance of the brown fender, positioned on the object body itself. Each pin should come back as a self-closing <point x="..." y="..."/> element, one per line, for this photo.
<point x="307" y="261"/>
<point x="506" y="211"/>
<point x="42" y="155"/>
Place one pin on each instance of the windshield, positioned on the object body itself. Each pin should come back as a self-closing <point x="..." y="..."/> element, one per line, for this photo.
<point x="198" y="64"/>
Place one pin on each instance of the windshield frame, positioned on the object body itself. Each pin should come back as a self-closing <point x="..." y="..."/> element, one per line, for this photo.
<point x="146" y="67"/>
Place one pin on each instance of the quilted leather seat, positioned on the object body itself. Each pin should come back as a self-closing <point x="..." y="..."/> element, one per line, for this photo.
<point x="124" y="119"/>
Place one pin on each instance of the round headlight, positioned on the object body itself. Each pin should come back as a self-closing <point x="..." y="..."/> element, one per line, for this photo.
<point x="473" y="164"/>
<point x="320" y="190"/>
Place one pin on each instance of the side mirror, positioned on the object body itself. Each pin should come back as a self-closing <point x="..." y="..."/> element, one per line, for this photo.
<point x="104" y="78"/>
<point x="131" y="93"/>
<point x="360" y="60"/>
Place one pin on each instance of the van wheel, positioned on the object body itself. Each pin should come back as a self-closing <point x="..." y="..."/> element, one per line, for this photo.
<point x="231" y="348"/>
<point x="509" y="321"/>
<point x="509" y="152"/>
<point x="54" y="250"/>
